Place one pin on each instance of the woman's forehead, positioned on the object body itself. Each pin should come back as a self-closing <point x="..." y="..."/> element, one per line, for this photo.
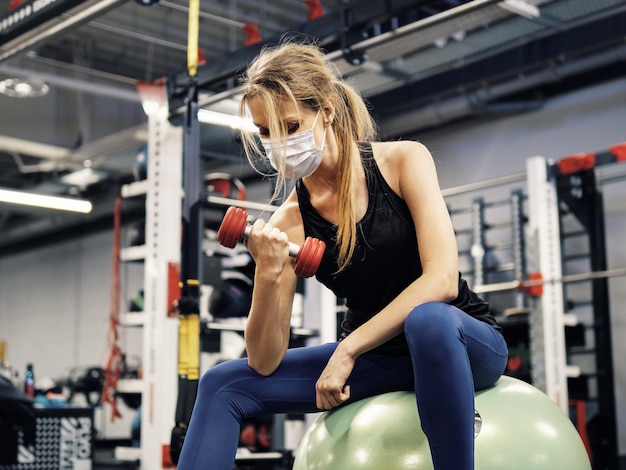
<point x="285" y="109"/>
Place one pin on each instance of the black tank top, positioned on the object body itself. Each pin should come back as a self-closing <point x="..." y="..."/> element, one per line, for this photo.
<point x="385" y="261"/>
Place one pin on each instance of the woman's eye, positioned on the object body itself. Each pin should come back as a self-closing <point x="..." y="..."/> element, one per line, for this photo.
<point x="292" y="127"/>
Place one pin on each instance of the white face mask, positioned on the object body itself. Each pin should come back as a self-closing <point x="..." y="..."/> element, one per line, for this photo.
<point x="302" y="157"/>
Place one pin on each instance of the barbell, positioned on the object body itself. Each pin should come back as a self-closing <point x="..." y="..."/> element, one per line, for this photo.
<point x="533" y="286"/>
<point x="234" y="228"/>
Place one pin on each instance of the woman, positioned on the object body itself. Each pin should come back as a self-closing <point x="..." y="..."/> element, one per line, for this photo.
<point x="412" y="323"/>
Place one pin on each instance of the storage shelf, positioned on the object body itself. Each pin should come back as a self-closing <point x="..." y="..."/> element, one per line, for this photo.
<point x="133" y="253"/>
<point x="240" y="328"/>
<point x="244" y="454"/>
<point x="572" y="371"/>
<point x="131" y="319"/>
<point x="130" y="386"/>
<point x="138" y="188"/>
<point x="128" y="454"/>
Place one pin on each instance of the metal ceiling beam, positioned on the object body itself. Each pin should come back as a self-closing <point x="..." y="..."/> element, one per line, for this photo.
<point x="474" y="102"/>
<point x="128" y="140"/>
<point x="46" y="31"/>
<point x="34" y="149"/>
<point x="74" y="84"/>
<point x="78" y="69"/>
<point x="202" y="14"/>
<point x="140" y="36"/>
<point x="123" y="141"/>
<point x="438" y="18"/>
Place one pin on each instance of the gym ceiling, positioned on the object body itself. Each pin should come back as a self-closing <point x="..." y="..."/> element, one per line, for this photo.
<point x="420" y="64"/>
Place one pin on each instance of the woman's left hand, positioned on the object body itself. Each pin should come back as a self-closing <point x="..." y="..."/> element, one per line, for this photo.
<point x="331" y="389"/>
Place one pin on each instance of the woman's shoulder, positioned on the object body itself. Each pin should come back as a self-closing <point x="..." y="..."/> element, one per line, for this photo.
<point x="397" y="159"/>
<point x="398" y="149"/>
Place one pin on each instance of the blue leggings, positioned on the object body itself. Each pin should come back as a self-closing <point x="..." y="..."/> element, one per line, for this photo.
<point x="451" y="356"/>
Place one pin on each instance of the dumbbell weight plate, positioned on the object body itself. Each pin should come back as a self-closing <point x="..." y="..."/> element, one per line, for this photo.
<point x="309" y="257"/>
<point x="233" y="227"/>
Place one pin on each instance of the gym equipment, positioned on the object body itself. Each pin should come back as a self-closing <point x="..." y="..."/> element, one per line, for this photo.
<point x="140" y="166"/>
<point x="86" y="381"/>
<point x="534" y="285"/>
<point x="231" y="293"/>
<point x="256" y="434"/>
<point x="136" y="302"/>
<point x="18" y="418"/>
<point x="231" y="300"/>
<point x="517" y="427"/>
<point x="235" y="227"/>
<point x="136" y="233"/>
<point x="225" y="185"/>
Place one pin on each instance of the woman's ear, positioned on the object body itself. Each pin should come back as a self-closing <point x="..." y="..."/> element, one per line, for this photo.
<point x="328" y="111"/>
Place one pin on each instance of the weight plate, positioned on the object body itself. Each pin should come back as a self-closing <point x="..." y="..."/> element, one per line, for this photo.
<point x="233" y="227"/>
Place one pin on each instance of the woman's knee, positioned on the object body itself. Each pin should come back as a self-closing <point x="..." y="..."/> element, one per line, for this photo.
<point x="222" y="376"/>
<point x="432" y="320"/>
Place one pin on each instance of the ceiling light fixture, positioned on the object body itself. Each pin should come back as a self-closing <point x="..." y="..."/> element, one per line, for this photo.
<point x="23" y="88"/>
<point x="228" y="120"/>
<point x="47" y="202"/>
<point x="521" y="7"/>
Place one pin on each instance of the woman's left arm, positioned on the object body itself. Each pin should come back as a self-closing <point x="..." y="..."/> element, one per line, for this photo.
<point x="410" y="170"/>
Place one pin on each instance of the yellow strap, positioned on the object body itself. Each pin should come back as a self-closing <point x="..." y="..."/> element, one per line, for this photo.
<point x="190" y="282"/>
<point x="193" y="343"/>
<point x="192" y="37"/>
<point x="183" y="351"/>
<point x="189" y="347"/>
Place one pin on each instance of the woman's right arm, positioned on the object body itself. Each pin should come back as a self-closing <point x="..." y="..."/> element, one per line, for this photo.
<point x="269" y="321"/>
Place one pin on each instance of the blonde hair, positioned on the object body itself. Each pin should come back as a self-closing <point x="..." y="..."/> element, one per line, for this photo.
<point x="301" y="74"/>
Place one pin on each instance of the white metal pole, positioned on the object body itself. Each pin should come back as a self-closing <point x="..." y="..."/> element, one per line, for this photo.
<point x="163" y="240"/>
<point x="547" y="329"/>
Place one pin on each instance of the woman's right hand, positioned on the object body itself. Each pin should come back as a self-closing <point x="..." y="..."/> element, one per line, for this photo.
<point x="268" y="246"/>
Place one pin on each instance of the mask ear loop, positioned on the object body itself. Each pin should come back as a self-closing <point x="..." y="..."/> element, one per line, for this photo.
<point x="323" y="139"/>
<point x="315" y="120"/>
<point x="325" y="129"/>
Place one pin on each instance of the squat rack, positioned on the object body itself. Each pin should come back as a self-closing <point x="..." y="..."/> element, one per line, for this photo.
<point x="555" y="190"/>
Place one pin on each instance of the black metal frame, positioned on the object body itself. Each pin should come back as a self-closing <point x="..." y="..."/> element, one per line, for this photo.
<point x="582" y="195"/>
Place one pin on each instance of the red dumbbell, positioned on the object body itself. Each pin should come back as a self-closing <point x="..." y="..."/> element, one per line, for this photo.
<point x="235" y="228"/>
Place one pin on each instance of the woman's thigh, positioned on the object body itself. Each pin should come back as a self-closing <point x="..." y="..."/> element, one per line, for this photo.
<point x="486" y="349"/>
<point x="291" y="388"/>
<point x="445" y="340"/>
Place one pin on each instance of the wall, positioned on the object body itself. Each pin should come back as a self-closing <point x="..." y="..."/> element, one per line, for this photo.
<point x="54" y="305"/>
<point x="54" y="301"/>
<point x="586" y="121"/>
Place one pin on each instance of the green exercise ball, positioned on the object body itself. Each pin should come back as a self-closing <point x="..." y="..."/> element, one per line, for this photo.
<point x="518" y="426"/>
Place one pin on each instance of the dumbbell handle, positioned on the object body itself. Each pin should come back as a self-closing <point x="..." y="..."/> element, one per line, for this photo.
<point x="294" y="249"/>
